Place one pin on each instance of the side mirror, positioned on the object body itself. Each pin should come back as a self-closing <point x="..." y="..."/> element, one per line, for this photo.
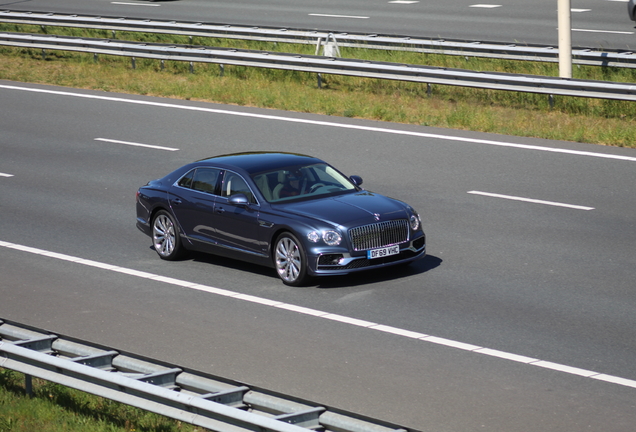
<point x="238" y="200"/>
<point x="357" y="180"/>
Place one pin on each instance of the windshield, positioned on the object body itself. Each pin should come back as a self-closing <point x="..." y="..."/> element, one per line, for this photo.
<point x="301" y="182"/>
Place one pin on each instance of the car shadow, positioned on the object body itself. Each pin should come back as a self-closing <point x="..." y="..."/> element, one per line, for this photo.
<point x="231" y="263"/>
<point x="423" y="265"/>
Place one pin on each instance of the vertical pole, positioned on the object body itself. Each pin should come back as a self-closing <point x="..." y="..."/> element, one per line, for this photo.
<point x="565" y="38"/>
<point x="28" y="385"/>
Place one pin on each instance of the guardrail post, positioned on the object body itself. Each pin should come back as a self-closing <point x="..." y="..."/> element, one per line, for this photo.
<point x="191" y="67"/>
<point x="134" y="62"/>
<point x="222" y="69"/>
<point x="43" y="54"/>
<point x="551" y="101"/>
<point x="28" y="384"/>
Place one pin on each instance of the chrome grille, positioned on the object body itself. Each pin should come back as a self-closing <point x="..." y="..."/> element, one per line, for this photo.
<point x="379" y="234"/>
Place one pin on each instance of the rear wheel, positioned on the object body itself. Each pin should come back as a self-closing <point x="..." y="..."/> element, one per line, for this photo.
<point x="165" y="237"/>
<point x="290" y="260"/>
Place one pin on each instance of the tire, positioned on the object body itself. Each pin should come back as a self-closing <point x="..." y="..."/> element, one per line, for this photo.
<point x="290" y="260"/>
<point x="165" y="237"/>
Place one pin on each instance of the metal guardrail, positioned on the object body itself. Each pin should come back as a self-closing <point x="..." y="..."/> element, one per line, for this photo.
<point x="584" y="56"/>
<point x="193" y="397"/>
<point x="330" y="65"/>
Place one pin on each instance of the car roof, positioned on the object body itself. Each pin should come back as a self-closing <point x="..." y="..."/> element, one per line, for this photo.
<point x="255" y="162"/>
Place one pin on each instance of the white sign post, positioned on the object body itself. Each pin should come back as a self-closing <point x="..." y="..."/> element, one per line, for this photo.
<point x="565" y="38"/>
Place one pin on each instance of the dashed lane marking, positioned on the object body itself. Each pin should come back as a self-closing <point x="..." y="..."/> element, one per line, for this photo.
<point x="135" y="144"/>
<point x="338" y="16"/>
<point x="530" y="200"/>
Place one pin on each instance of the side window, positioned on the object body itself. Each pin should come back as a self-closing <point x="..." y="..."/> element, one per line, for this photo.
<point x="204" y="180"/>
<point x="186" y="180"/>
<point x="234" y="184"/>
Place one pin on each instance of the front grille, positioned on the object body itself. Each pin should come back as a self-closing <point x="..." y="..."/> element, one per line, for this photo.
<point x="379" y="234"/>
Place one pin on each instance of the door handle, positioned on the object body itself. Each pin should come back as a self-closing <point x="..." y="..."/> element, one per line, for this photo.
<point x="176" y="201"/>
<point x="220" y="210"/>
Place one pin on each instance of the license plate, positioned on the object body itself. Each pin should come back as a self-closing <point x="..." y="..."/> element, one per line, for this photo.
<point x="383" y="252"/>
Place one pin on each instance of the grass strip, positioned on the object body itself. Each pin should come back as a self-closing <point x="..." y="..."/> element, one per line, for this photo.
<point x="55" y="408"/>
<point x="598" y="121"/>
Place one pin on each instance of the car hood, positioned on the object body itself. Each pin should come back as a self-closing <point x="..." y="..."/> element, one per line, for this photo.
<point x="350" y="210"/>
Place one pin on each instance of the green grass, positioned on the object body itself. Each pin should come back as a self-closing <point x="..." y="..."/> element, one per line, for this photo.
<point x="522" y="114"/>
<point x="55" y="408"/>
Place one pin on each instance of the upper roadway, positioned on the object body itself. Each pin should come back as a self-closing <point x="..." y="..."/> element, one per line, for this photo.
<point x="595" y="23"/>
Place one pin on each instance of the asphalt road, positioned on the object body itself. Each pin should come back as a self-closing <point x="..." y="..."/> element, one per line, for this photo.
<point x="546" y="280"/>
<point x="595" y="23"/>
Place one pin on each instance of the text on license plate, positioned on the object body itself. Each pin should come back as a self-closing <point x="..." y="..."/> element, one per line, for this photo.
<point x="382" y="252"/>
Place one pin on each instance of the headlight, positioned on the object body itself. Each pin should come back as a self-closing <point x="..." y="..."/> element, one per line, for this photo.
<point x="332" y="238"/>
<point x="414" y="220"/>
<point x="313" y="237"/>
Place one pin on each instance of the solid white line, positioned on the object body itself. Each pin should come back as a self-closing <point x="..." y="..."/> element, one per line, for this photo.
<point x="338" y="16"/>
<point x="136" y="4"/>
<point x="486" y="6"/>
<point x="136" y="144"/>
<point x="507" y="356"/>
<point x="580" y="10"/>
<point x="603" y="31"/>
<point x="348" y="320"/>
<point x="399" y="331"/>
<point x="325" y="123"/>
<point x="567" y="369"/>
<point x="450" y="343"/>
<point x="6" y="175"/>
<point x="334" y="317"/>
<point x="535" y="201"/>
<point x="404" y="1"/>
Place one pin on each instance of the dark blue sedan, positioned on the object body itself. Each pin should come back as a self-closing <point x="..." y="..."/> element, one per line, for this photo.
<point x="292" y="212"/>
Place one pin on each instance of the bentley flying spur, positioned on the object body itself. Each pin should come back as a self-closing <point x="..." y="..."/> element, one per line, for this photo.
<point x="294" y="213"/>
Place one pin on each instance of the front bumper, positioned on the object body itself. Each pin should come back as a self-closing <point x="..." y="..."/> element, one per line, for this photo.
<point x="335" y="263"/>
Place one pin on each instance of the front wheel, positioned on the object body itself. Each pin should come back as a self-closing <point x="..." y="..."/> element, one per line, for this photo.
<point x="165" y="237"/>
<point x="290" y="260"/>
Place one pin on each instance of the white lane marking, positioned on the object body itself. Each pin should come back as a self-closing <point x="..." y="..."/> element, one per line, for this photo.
<point x="404" y="1"/>
<point x="136" y="144"/>
<point x="338" y="16"/>
<point x="580" y="10"/>
<point x="530" y="200"/>
<point x="485" y="6"/>
<point x="136" y="4"/>
<point x="603" y="31"/>
<point x="6" y="175"/>
<point x="334" y="317"/>
<point x="325" y="123"/>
